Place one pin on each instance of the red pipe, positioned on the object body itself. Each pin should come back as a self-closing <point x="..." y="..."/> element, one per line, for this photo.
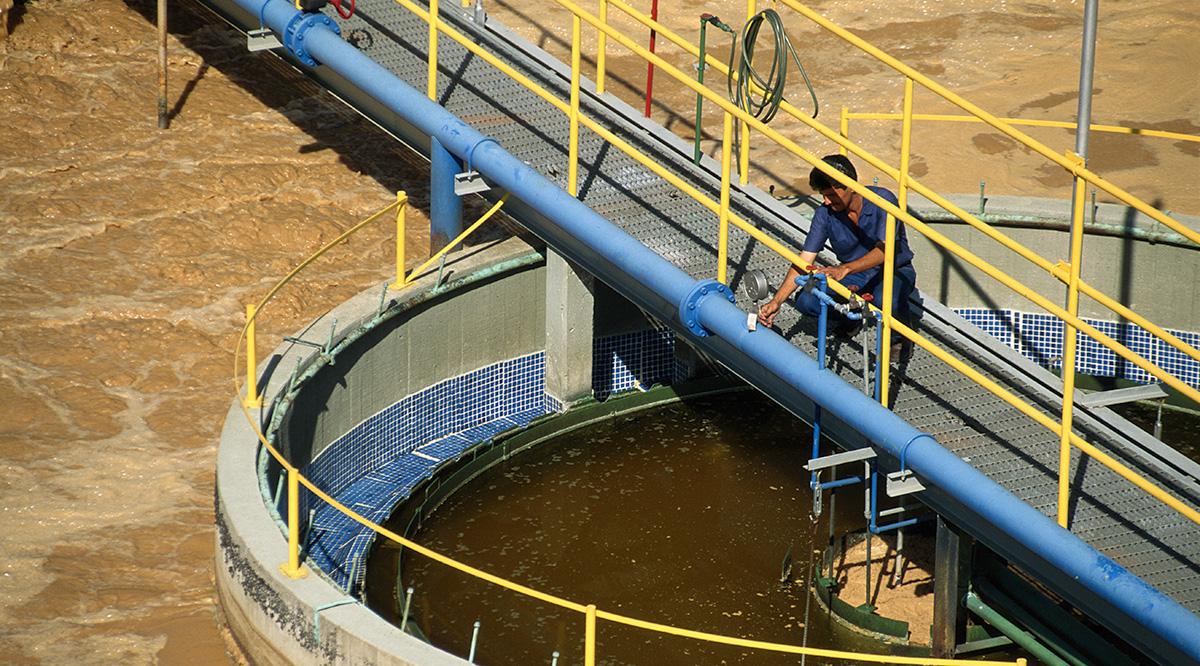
<point x="650" y="65"/>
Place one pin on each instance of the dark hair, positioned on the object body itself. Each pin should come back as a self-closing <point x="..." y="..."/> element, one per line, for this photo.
<point x="817" y="179"/>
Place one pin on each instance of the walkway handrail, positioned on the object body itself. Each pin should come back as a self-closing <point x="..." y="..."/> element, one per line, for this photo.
<point x="294" y="567"/>
<point x="1056" y="269"/>
<point x="1070" y="319"/>
<point x="1060" y="159"/>
<point x="1021" y="122"/>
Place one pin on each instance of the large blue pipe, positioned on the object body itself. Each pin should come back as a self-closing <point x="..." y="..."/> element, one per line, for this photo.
<point x="1160" y="615"/>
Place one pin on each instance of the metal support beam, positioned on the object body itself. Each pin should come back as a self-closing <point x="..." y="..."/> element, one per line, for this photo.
<point x="950" y="567"/>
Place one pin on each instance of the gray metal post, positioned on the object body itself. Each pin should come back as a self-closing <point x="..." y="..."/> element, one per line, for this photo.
<point x="949" y="581"/>
<point x="1086" y="66"/>
<point x="162" y="64"/>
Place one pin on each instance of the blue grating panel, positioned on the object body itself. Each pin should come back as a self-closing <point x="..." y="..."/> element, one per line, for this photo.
<point x="1039" y="337"/>
<point x="631" y="361"/>
<point x="1178" y="363"/>
<point x="371" y="468"/>
<point x="1000" y="324"/>
<point x="1042" y="339"/>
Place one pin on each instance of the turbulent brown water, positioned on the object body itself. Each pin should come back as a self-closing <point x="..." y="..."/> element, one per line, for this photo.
<point x="128" y="253"/>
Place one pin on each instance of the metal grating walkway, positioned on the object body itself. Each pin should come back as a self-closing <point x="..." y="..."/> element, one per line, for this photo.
<point x="1150" y="539"/>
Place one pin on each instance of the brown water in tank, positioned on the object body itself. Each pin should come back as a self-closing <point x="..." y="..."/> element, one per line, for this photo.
<point x="129" y="253"/>
<point x="695" y="515"/>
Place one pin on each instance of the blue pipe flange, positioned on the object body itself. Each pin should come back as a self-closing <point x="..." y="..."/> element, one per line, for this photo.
<point x="301" y="23"/>
<point x="689" y="307"/>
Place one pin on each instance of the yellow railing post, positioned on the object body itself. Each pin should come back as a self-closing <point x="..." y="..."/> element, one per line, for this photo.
<point x="601" y="47"/>
<point x="401" y="204"/>
<point x="1068" y="362"/>
<point x="292" y="568"/>
<point x="589" y="636"/>
<point x="889" y="246"/>
<point x="431" y="89"/>
<point x="744" y="152"/>
<point x="573" y="140"/>
<point x="252" y="400"/>
<point x="844" y="127"/>
<point x="726" y="176"/>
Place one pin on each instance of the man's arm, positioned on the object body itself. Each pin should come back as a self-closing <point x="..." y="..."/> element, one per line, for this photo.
<point x="766" y="314"/>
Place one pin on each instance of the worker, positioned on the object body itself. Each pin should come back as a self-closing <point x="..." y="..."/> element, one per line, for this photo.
<point x="854" y="228"/>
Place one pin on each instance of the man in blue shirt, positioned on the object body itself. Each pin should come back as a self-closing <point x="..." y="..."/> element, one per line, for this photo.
<point x="854" y="228"/>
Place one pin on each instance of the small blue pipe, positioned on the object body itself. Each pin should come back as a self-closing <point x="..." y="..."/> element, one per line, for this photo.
<point x="614" y="254"/>
<point x="822" y="324"/>
<point x="880" y="529"/>
<point x="838" y="483"/>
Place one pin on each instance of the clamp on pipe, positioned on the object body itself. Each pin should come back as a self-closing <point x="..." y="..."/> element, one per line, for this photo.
<point x="689" y="305"/>
<point x="298" y="26"/>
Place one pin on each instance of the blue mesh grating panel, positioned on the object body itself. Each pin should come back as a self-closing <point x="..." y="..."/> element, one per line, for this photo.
<point x="373" y="467"/>
<point x="1039" y="337"/>
<point x="631" y="361"/>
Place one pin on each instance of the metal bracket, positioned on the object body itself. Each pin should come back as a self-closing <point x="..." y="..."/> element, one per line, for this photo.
<point x="293" y="34"/>
<point x="903" y="482"/>
<point x="689" y="306"/>
<point x="469" y="182"/>
<point x="844" y="458"/>
<point x="262" y="39"/>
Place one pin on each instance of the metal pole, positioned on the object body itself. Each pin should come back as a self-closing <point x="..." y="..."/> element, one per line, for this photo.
<point x="699" y="97"/>
<point x="1087" y="65"/>
<point x="650" y="65"/>
<point x="573" y="138"/>
<point x="723" y="225"/>
<point x="162" y="64"/>
<point x="474" y="642"/>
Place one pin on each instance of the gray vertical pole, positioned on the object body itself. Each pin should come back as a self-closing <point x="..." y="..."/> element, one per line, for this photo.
<point x="1086" y="66"/>
<point x="162" y="64"/>
<point x="947" y="616"/>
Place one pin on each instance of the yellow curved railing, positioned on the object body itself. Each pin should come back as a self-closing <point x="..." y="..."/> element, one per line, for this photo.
<point x="294" y="567"/>
<point x="1064" y="271"/>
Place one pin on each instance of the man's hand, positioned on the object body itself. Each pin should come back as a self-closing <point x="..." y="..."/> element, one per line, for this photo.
<point x="766" y="313"/>
<point x="838" y="273"/>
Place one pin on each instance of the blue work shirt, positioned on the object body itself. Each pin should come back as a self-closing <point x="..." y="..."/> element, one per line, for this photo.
<point x="851" y="242"/>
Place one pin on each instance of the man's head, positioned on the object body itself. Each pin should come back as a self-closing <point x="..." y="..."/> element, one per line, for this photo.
<point x="834" y="194"/>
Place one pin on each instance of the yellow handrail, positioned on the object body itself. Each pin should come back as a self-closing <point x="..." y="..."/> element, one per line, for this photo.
<point x="1026" y="122"/>
<point x="787" y="252"/>
<point x="842" y="139"/>
<point x="1047" y="152"/>
<point x="294" y="568"/>
<point x="888" y="207"/>
<point x="970" y="258"/>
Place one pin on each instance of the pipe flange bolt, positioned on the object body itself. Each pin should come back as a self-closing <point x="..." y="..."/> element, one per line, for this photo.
<point x="689" y="307"/>
<point x="301" y="23"/>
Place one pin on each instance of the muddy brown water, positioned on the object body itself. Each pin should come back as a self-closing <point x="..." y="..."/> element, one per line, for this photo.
<point x="128" y="253"/>
<point x="684" y="515"/>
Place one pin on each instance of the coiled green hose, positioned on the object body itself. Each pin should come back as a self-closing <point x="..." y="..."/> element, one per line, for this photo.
<point x="764" y="105"/>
